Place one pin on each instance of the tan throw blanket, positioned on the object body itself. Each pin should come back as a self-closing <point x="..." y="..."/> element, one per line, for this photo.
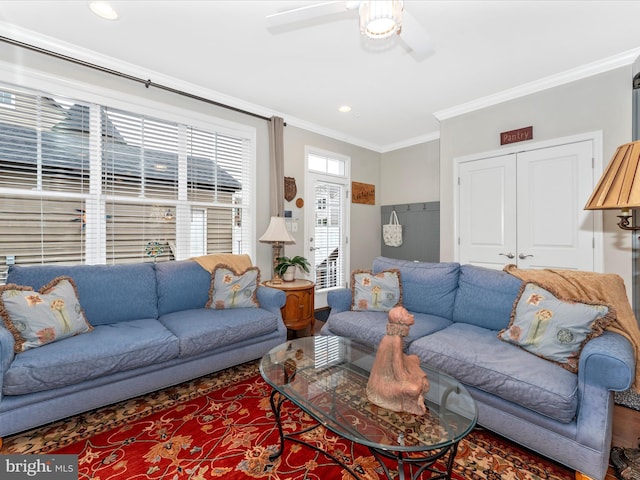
<point x="591" y="288"/>
<point x="239" y="263"/>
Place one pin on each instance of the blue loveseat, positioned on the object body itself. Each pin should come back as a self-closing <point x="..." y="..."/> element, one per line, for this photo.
<point x="459" y="310"/>
<point x="151" y="330"/>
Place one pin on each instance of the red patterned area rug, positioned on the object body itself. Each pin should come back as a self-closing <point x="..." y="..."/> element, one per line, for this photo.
<point x="221" y="426"/>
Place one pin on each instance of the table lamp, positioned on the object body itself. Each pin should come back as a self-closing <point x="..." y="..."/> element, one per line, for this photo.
<point x="278" y="235"/>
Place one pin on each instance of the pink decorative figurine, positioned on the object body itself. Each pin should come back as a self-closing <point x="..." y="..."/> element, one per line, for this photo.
<point x="396" y="381"/>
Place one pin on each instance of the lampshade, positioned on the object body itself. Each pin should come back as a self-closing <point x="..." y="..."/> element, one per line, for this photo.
<point x="277" y="232"/>
<point x="619" y="187"/>
<point x="380" y="19"/>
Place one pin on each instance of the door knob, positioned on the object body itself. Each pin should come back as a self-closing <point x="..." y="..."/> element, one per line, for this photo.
<point x="311" y="249"/>
<point x="508" y="255"/>
<point x="522" y="256"/>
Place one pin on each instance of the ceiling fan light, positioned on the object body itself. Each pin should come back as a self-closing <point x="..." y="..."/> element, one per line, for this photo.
<point x="380" y="19"/>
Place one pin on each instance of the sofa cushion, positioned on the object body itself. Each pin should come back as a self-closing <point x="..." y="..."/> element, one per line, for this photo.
<point x="426" y="287"/>
<point x="204" y="329"/>
<point x="378" y="292"/>
<point x="109" y="293"/>
<point x="182" y="285"/>
<point x="38" y="318"/>
<point x="476" y="357"/>
<point x="108" y="349"/>
<point x="485" y="297"/>
<point x="232" y="289"/>
<point x="551" y="328"/>
<point x="370" y="327"/>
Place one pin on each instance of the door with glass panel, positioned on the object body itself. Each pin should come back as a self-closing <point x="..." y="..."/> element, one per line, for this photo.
<point x="326" y="221"/>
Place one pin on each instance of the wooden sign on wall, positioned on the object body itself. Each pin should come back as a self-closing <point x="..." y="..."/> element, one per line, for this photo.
<point x="363" y="193"/>
<point x="519" y="135"/>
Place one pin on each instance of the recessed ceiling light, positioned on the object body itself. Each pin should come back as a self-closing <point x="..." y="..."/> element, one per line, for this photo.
<point x="344" y="109"/>
<point x="103" y="10"/>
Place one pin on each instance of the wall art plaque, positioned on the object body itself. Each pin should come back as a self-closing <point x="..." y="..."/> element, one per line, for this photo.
<point x="363" y="193"/>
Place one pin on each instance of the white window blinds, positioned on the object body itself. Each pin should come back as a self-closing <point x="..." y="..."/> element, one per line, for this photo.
<point x="329" y="234"/>
<point x="140" y="163"/>
<point x="217" y="180"/>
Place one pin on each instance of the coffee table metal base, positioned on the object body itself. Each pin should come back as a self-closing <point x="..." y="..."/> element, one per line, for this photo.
<point x="423" y="463"/>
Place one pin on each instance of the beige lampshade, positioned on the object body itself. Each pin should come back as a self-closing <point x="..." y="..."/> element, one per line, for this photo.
<point x="277" y="232"/>
<point x="619" y="187"/>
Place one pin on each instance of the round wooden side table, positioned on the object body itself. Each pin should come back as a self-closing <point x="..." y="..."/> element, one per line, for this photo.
<point x="298" y="311"/>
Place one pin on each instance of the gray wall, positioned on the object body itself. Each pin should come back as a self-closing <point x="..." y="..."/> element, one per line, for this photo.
<point x="601" y="102"/>
<point x="411" y="174"/>
<point x="420" y="231"/>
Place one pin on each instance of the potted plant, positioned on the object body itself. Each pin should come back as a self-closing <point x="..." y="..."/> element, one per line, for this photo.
<point x="286" y="267"/>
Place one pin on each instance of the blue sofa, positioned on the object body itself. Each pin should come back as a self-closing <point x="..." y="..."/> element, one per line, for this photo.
<point x="151" y="330"/>
<point x="458" y="311"/>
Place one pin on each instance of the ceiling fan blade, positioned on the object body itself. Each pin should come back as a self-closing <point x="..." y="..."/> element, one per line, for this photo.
<point x="308" y="12"/>
<point x="415" y="36"/>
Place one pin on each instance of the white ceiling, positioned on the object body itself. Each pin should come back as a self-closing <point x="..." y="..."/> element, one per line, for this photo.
<point x="485" y="51"/>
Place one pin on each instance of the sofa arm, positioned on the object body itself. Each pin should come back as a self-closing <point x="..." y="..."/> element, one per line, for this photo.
<point x="607" y="364"/>
<point x="271" y="299"/>
<point x="6" y="353"/>
<point x="607" y="361"/>
<point x="339" y="300"/>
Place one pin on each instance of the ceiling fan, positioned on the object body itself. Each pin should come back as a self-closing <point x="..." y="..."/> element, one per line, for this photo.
<point x="378" y="20"/>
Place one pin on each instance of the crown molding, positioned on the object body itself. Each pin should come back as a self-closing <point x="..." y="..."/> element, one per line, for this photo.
<point x="328" y="132"/>
<point x="410" y="142"/>
<point x="579" y="73"/>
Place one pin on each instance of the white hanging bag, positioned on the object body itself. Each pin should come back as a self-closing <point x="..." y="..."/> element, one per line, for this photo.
<point x="392" y="232"/>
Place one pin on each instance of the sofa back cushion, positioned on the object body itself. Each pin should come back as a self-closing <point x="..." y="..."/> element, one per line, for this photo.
<point x="182" y="285"/>
<point x="485" y="297"/>
<point x="426" y="287"/>
<point x="107" y="293"/>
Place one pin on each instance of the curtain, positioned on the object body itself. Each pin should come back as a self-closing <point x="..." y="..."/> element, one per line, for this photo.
<point x="276" y="164"/>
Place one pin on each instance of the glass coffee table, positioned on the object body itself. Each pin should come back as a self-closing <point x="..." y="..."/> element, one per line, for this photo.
<point x="326" y="377"/>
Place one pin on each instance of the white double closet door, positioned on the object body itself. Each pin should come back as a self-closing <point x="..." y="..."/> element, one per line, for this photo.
<point x="527" y="208"/>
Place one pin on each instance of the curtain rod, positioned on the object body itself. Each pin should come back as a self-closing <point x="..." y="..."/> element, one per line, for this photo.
<point x="147" y="83"/>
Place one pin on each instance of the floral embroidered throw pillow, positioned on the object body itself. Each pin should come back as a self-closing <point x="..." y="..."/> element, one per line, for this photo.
<point x="37" y="318"/>
<point x="551" y="328"/>
<point x="377" y="292"/>
<point x="230" y="289"/>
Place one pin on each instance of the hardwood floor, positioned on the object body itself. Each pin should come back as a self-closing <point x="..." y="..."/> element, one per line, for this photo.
<point x="626" y="431"/>
<point x="626" y="427"/>
<point x="626" y="421"/>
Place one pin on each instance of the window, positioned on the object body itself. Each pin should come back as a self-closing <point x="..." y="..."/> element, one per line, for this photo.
<point x="85" y="183"/>
<point x="6" y="99"/>
<point x="326" y="164"/>
<point x="198" y="231"/>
